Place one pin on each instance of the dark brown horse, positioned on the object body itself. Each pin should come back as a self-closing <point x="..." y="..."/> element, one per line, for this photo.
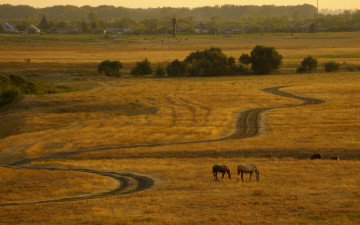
<point x="316" y="156"/>
<point x="221" y="169"/>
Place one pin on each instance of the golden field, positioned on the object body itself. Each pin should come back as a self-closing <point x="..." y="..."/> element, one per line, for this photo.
<point x="145" y="126"/>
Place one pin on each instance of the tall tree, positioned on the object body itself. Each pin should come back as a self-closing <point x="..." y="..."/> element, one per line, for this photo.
<point x="44" y="23"/>
<point x="94" y="19"/>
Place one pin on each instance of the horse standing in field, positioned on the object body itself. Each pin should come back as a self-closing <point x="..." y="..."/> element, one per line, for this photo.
<point x="247" y="168"/>
<point x="221" y="169"/>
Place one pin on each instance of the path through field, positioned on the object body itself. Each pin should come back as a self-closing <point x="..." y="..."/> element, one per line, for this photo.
<point x="247" y="125"/>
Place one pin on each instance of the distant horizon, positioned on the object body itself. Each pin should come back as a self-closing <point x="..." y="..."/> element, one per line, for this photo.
<point x="323" y="5"/>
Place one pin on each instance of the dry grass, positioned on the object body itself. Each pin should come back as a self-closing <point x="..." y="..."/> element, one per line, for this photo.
<point x="149" y="111"/>
<point x="130" y="49"/>
<point x="289" y="191"/>
<point x="21" y="186"/>
<point x="117" y="112"/>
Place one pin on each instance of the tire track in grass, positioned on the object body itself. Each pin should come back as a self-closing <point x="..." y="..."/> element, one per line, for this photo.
<point x="247" y="125"/>
<point x="124" y="180"/>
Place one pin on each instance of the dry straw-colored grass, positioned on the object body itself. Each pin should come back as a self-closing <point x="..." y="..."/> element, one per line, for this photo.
<point x="289" y="191"/>
<point x="150" y="111"/>
<point x="22" y="186"/>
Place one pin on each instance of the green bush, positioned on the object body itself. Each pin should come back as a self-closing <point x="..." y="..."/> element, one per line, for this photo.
<point x="331" y="66"/>
<point x="308" y="65"/>
<point x="142" y="68"/>
<point x="4" y="82"/>
<point x="245" y="59"/>
<point x="110" y="68"/>
<point x="160" y="71"/>
<point x="9" y="95"/>
<point x="13" y="86"/>
<point x="23" y="84"/>
<point x="176" y="68"/>
<point x="210" y="62"/>
<point x="264" y="60"/>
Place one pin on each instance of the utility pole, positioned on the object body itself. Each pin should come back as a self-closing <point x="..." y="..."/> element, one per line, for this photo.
<point x="317" y="15"/>
<point x="317" y="8"/>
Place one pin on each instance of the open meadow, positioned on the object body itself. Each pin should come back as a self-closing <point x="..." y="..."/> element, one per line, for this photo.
<point x="140" y="150"/>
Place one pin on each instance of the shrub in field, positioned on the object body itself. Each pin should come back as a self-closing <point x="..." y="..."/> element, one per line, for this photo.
<point x="160" y="71"/>
<point x="4" y="82"/>
<point x="263" y="59"/>
<point x="331" y="66"/>
<point x="210" y="62"/>
<point x="110" y="68"/>
<point x="245" y="59"/>
<point x="308" y="65"/>
<point x="23" y="84"/>
<point x="13" y="86"/>
<point x="142" y="68"/>
<point x="9" y="95"/>
<point x="176" y="68"/>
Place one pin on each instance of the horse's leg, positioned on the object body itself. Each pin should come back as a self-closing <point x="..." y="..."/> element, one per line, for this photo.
<point x="242" y="178"/>
<point x="250" y="175"/>
<point x="215" y="176"/>
<point x="223" y="173"/>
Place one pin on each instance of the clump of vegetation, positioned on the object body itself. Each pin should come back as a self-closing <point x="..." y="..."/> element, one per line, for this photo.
<point x="160" y="71"/>
<point x="14" y="86"/>
<point x="331" y="66"/>
<point x="176" y="68"/>
<point x="263" y="59"/>
<point x="308" y="65"/>
<point x="351" y="67"/>
<point x="210" y="62"/>
<point x="110" y="68"/>
<point x="142" y="68"/>
<point x="245" y="59"/>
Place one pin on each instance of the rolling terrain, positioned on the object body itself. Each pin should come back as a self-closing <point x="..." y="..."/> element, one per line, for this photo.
<point x="140" y="150"/>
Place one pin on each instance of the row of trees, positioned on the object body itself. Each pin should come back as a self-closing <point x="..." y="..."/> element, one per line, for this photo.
<point x="210" y="62"/>
<point x="310" y="64"/>
<point x="215" y="20"/>
<point x="213" y="62"/>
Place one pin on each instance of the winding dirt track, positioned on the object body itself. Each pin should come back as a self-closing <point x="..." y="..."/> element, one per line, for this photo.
<point x="247" y="125"/>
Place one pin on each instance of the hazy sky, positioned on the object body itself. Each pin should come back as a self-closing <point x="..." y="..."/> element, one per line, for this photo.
<point x="331" y="4"/>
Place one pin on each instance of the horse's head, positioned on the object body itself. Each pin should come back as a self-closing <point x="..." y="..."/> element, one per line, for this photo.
<point x="257" y="175"/>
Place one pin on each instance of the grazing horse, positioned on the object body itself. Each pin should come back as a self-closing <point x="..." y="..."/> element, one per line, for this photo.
<point x="247" y="168"/>
<point x="316" y="156"/>
<point x="221" y="169"/>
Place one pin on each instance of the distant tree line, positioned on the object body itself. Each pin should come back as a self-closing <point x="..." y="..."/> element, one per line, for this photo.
<point x="215" y="20"/>
<point x="230" y="12"/>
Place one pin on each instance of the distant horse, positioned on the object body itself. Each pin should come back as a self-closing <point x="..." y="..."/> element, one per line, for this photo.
<point x="221" y="169"/>
<point x="335" y="158"/>
<point x="247" y="168"/>
<point x="316" y="156"/>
